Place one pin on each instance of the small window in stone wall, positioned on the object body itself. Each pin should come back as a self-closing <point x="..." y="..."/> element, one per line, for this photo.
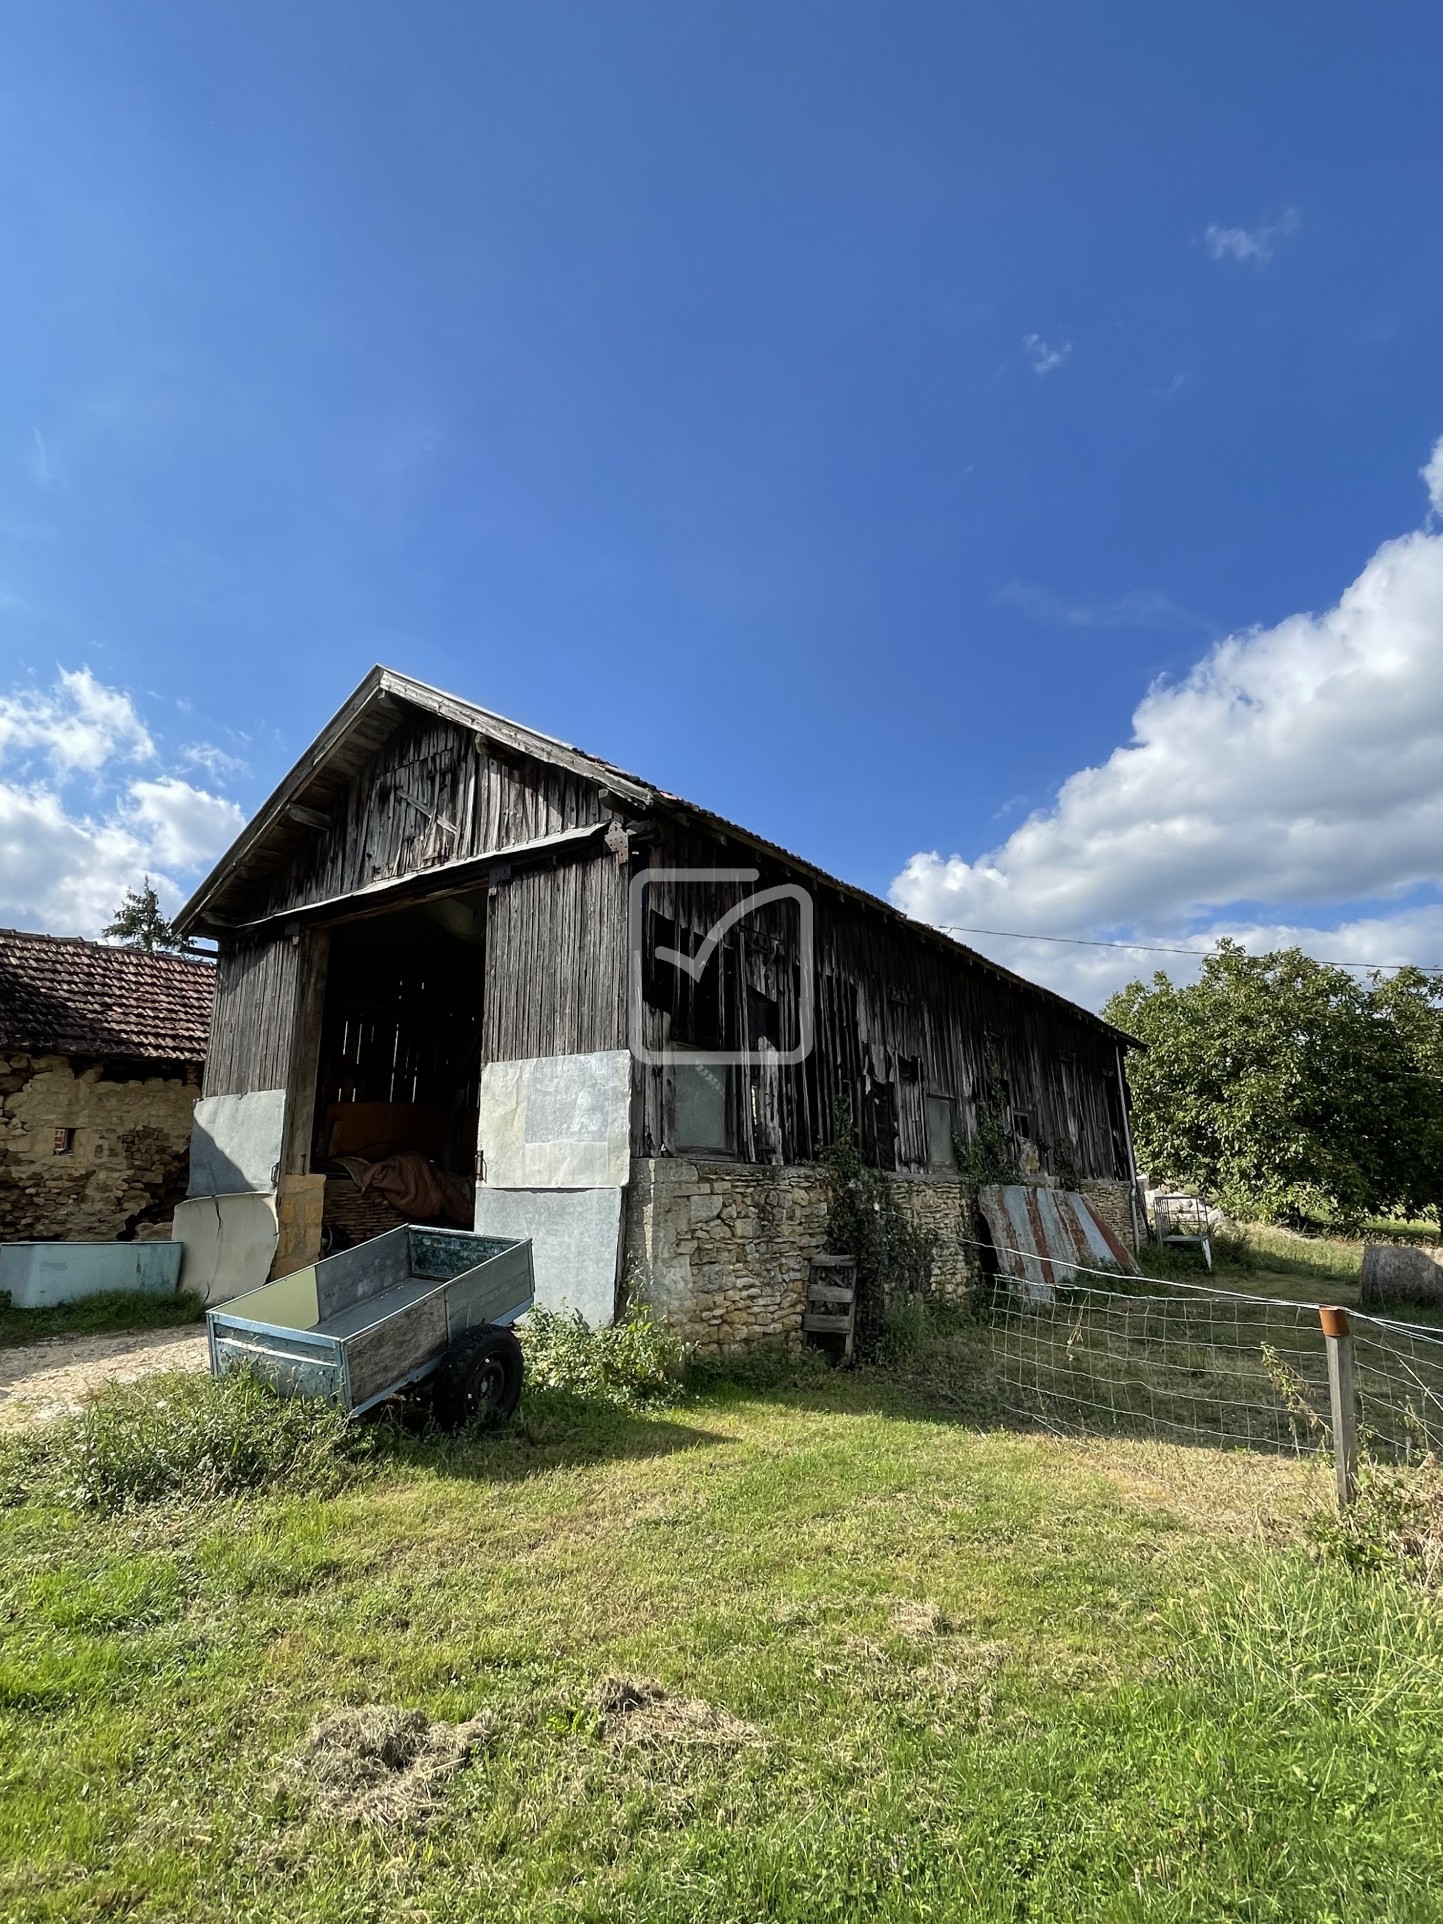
<point x="941" y="1129"/>
<point x="703" y="1112"/>
<point x="64" y="1142"/>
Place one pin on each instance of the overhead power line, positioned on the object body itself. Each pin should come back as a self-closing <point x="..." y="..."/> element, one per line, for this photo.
<point x="1160" y="948"/>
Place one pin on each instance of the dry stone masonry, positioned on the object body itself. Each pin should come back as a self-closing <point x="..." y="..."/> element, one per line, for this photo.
<point x="721" y="1250"/>
<point x="88" y="1152"/>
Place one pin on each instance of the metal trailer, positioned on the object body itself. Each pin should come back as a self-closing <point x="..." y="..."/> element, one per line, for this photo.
<point x="412" y="1305"/>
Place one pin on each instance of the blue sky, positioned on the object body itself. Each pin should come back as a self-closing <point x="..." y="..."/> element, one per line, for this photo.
<point x="844" y="415"/>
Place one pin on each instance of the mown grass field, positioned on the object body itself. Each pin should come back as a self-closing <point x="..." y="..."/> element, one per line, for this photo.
<point x="984" y="1674"/>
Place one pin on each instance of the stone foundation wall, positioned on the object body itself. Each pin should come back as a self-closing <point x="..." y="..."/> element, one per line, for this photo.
<point x="938" y="1207"/>
<point x="128" y="1159"/>
<point x="1111" y="1203"/>
<point x="721" y="1250"/>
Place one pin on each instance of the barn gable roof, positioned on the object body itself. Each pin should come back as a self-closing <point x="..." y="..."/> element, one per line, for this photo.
<point x="303" y="799"/>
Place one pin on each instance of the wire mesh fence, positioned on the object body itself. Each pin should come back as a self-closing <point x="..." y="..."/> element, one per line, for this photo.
<point x="1138" y="1356"/>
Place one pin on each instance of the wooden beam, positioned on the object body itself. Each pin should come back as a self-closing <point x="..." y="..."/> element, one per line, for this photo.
<point x="307" y="817"/>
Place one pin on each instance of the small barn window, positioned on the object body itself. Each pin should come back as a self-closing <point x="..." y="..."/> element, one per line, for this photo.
<point x="941" y="1129"/>
<point x="703" y="1111"/>
<point x="64" y="1142"/>
<point x="1021" y="1125"/>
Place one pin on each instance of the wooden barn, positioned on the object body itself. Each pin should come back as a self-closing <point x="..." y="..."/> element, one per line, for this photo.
<point x="455" y="952"/>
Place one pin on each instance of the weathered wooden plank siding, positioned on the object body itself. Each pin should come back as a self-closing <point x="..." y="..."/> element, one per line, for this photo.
<point x="252" y="1025"/>
<point x="555" y="955"/>
<point x="896" y="1020"/>
<point x="434" y="793"/>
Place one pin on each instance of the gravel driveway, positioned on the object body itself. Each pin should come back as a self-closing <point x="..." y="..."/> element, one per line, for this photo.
<point x="45" y="1379"/>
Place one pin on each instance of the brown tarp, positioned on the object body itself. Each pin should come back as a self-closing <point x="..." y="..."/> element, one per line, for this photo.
<point x="415" y="1187"/>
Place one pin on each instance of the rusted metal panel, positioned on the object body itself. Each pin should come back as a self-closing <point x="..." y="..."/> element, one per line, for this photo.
<point x="1043" y="1236"/>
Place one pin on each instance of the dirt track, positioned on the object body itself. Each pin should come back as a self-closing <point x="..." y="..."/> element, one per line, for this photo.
<point x="45" y="1379"/>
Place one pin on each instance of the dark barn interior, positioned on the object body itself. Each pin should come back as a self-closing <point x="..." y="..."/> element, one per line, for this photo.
<point x="400" y="1055"/>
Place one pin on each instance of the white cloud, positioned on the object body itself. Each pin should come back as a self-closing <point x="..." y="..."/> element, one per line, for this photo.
<point x="1297" y="765"/>
<point x="77" y="825"/>
<point x="1432" y="473"/>
<point x="1044" y="358"/>
<point x="1138" y="608"/>
<point x="215" y="761"/>
<point x="77" y="724"/>
<point x="182" y="825"/>
<point x="1255" y="244"/>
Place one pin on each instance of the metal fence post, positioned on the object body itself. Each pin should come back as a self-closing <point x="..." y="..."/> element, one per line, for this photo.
<point x="1342" y="1394"/>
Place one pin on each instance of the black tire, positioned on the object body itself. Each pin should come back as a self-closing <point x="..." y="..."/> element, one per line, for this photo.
<point x="480" y="1380"/>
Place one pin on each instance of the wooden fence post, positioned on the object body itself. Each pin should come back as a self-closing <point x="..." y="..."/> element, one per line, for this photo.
<point x="1342" y="1394"/>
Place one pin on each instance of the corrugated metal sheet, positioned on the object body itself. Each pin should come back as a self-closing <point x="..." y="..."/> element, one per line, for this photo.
<point x="1043" y="1236"/>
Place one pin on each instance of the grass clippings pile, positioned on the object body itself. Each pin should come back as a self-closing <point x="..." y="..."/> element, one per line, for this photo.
<point x="379" y="1765"/>
<point x="918" y="1619"/>
<point x="638" y="1714"/>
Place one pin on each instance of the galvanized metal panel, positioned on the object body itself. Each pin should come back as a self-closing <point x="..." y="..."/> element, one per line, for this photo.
<point x="557" y="1122"/>
<point x="294" y="1364"/>
<point x="39" y="1274"/>
<point x="444" y="1253"/>
<point x="575" y="1239"/>
<point x="289" y="1303"/>
<point x="354" y="1275"/>
<point x="236" y="1142"/>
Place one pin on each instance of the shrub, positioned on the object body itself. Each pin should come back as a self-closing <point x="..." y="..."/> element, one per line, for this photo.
<point x="633" y="1362"/>
<point x="1393" y="1527"/>
<point x="178" y="1438"/>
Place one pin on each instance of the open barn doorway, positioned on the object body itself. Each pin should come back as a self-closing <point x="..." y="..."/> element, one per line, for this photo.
<point x="398" y="1083"/>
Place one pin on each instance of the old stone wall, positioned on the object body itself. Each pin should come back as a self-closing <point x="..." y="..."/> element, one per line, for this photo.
<point x="125" y="1164"/>
<point x="721" y="1250"/>
<point x="1111" y="1203"/>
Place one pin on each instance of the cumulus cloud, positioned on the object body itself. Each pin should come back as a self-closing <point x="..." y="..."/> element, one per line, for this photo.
<point x="184" y="826"/>
<point x="79" y="824"/>
<point x="1298" y="767"/>
<point x="1432" y="474"/>
<point x="77" y="724"/>
<point x="1255" y="244"/>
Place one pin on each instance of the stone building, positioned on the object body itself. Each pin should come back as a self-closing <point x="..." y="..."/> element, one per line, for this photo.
<point x="635" y="1026"/>
<point x="101" y="1055"/>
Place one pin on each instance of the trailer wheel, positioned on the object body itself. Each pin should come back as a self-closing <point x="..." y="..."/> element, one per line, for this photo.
<point x="480" y="1380"/>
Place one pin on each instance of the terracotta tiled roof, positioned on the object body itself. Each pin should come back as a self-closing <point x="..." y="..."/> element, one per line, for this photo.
<point x="60" y="995"/>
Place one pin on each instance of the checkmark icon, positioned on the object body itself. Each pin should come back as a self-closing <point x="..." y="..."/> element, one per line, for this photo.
<point x="645" y="1022"/>
<point x="695" y="964"/>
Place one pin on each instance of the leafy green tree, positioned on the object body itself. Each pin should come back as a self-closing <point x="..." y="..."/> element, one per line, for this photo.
<point x="139" y="924"/>
<point x="1284" y="1089"/>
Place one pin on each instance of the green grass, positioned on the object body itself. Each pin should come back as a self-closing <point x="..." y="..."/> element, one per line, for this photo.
<point x="991" y="1675"/>
<point x="113" y="1309"/>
